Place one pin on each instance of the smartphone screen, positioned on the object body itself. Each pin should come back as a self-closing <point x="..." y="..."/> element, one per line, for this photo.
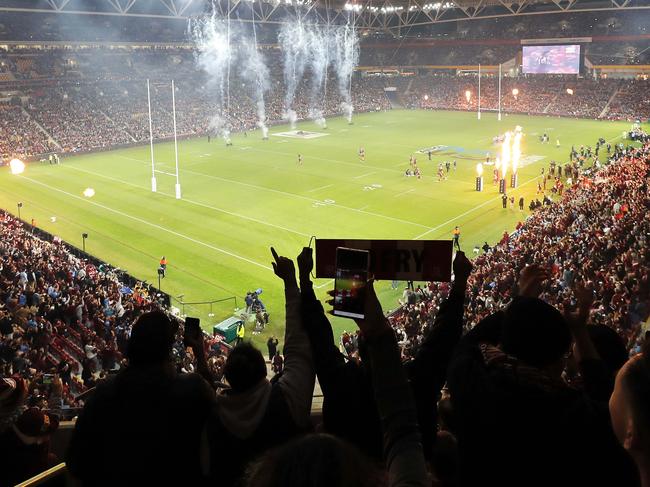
<point x="350" y="283"/>
<point x="192" y="327"/>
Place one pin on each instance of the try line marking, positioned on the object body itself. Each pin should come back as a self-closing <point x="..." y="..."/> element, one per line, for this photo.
<point x="148" y="223"/>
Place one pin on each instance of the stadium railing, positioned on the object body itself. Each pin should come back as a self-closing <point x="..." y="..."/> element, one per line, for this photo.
<point x="209" y="304"/>
<point x="55" y="476"/>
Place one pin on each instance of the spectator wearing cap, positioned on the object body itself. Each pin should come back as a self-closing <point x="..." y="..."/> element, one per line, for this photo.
<point x="148" y="412"/>
<point x="25" y="446"/>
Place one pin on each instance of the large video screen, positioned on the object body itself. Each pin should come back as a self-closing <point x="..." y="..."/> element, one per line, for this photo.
<point x="551" y="59"/>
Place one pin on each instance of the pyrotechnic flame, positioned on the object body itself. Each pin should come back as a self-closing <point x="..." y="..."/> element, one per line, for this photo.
<point x="516" y="152"/>
<point x="468" y="95"/>
<point x="479" y="169"/>
<point x="515" y="92"/>
<point x="89" y="192"/>
<point x="17" y="166"/>
<point x="505" y="154"/>
<point x="497" y="163"/>
<point x="569" y="91"/>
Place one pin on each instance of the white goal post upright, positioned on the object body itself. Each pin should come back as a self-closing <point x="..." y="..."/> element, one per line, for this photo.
<point x="154" y="186"/>
<point x="479" y="92"/>
<point x="178" y="184"/>
<point x="499" y="116"/>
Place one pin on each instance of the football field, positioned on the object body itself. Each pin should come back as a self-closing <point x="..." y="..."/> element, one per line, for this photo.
<point x="240" y="200"/>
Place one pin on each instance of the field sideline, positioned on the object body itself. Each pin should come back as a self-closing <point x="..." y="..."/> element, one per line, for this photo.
<point x="240" y="200"/>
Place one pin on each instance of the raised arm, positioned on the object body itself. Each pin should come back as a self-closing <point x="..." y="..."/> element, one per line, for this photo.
<point x="395" y="404"/>
<point x="328" y="360"/>
<point x="597" y="380"/>
<point x="428" y="370"/>
<point x="297" y="380"/>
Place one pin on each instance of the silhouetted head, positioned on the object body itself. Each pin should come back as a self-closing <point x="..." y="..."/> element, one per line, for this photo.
<point x="609" y="345"/>
<point x="245" y="367"/>
<point x="314" y="461"/>
<point x="535" y="332"/>
<point x="151" y="339"/>
<point x="629" y="407"/>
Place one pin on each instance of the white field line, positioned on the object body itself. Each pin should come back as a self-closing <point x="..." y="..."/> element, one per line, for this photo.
<point x="364" y="175"/>
<point x="148" y="223"/>
<point x="319" y="188"/>
<point x="404" y="192"/>
<point x="325" y="284"/>
<point x="294" y="195"/>
<point x="471" y="210"/>
<point x="197" y="203"/>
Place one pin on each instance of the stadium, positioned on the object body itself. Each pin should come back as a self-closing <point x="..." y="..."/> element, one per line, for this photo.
<point x="197" y="196"/>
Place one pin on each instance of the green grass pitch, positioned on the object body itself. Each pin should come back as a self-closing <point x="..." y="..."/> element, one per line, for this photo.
<point x="240" y="200"/>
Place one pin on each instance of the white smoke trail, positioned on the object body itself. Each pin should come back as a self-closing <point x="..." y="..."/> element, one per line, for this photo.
<point x="214" y="55"/>
<point x="254" y="69"/>
<point x="319" y="43"/>
<point x="346" y="48"/>
<point x="294" y="40"/>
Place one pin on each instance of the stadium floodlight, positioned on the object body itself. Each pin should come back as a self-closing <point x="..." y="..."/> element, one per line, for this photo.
<point x="17" y="166"/>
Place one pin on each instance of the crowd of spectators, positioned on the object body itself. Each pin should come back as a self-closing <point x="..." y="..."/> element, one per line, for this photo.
<point x="63" y="316"/>
<point x="75" y="122"/>
<point x="19" y="135"/>
<point x="553" y="95"/>
<point x="100" y="100"/>
<point x="597" y="231"/>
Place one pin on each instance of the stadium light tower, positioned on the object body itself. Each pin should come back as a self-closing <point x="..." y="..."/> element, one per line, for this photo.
<point x="154" y="186"/>
<point x="178" y="184"/>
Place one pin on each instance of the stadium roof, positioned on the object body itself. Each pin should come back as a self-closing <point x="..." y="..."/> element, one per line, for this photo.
<point x="380" y="15"/>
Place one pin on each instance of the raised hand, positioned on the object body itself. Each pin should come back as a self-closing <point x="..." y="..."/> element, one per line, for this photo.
<point x="584" y="293"/>
<point x="283" y="267"/>
<point x="305" y="263"/>
<point x="462" y="267"/>
<point x="531" y="279"/>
